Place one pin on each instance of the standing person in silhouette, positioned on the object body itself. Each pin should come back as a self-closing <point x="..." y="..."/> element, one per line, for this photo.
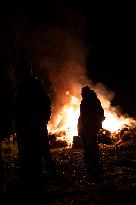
<point x="6" y="107"/>
<point x="33" y="110"/>
<point x="90" y="122"/>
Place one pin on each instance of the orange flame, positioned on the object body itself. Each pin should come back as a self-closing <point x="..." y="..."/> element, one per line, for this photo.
<point x="65" y="124"/>
<point x="67" y="120"/>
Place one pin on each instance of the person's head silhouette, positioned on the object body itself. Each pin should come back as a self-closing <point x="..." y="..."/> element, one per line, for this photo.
<point x="86" y="92"/>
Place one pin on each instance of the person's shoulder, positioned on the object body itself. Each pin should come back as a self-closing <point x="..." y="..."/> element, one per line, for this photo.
<point x="37" y="83"/>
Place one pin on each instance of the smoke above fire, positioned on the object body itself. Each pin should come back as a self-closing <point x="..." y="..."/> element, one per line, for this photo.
<point x="63" y="69"/>
<point x="58" y="49"/>
<point x="59" y="55"/>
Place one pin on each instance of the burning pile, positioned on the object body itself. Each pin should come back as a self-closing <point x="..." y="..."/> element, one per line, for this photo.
<point x="64" y="123"/>
<point x="63" y="68"/>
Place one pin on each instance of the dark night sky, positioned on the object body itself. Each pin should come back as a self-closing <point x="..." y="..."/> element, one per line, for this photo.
<point x="108" y="29"/>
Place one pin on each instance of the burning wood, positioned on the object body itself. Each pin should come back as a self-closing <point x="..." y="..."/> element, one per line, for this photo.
<point x="64" y="123"/>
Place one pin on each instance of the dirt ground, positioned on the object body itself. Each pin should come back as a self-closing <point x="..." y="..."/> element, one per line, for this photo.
<point x="72" y="185"/>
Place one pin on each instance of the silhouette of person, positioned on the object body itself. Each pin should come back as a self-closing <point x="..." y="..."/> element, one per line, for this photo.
<point x="6" y="106"/>
<point x="32" y="112"/>
<point x="90" y="122"/>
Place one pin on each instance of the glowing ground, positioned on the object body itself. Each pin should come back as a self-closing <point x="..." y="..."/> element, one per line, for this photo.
<point x="72" y="185"/>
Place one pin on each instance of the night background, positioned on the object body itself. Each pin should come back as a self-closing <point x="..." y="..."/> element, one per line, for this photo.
<point x="71" y="43"/>
<point x="107" y="30"/>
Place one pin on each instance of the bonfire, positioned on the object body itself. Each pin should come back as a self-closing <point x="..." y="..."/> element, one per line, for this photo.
<point x="64" y="124"/>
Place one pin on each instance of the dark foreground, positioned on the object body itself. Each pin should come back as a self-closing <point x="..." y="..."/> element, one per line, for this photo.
<point x="72" y="185"/>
